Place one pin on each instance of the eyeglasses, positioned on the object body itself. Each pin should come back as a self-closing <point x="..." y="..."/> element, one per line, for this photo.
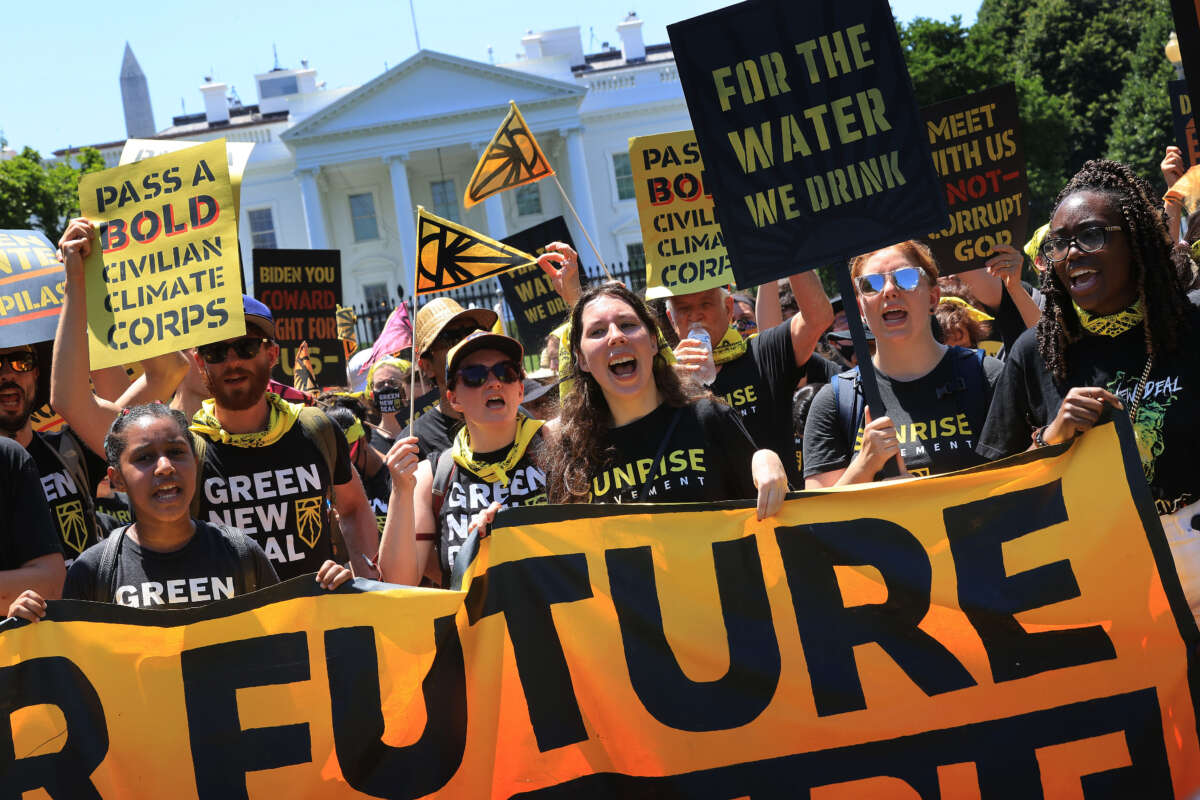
<point x="218" y="352"/>
<point x="1088" y="240"/>
<point x="452" y="336"/>
<point x="476" y="375"/>
<point x="386" y="386"/>
<point x="905" y="278"/>
<point x="19" y="361"/>
<point x="743" y="324"/>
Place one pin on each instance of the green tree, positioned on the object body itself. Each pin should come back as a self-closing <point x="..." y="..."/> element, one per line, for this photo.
<point x="1142" y="126"/>
<point x="37" y="194"/>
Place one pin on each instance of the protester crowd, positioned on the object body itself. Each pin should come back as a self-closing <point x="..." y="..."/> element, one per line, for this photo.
<point x="203" y="479"/>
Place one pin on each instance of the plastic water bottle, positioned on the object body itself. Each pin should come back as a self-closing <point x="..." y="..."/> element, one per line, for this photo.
<point x="708" y="370"/>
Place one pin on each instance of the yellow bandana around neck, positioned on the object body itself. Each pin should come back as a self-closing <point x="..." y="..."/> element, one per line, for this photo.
<point x="464" y="456"/>
<point x="283" y="417"/>
<point x="1111" y="324"/>
<point x="732" y="346"/>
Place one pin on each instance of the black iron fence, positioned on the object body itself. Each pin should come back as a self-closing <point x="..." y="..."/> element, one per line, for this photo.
<point x="486" y="294"/>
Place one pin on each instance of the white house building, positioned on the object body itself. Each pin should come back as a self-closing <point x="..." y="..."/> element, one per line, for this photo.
<point x="346" y="168"/>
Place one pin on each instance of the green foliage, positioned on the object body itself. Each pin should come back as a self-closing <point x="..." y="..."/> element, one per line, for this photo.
<point x="36" y="194"/>
<point x="1090" y="76"/>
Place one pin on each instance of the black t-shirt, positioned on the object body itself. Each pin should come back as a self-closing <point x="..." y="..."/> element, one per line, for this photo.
<point x="378" y="489"/>
<point x="27" y="531"/>
<point x="819" y="369"/>
<point x="379" y="441"/>
<point x="205" y="569"/>
<point x="707" y="458"/>
<point x="71" y="506"/>
<point x="278" y="494"/>
<point x="1007" y="322"/>
<point x="467" y="494"/>
<point x="116" y="506"/>
<point x="759" y="386"/>
<point x="1168" y="423"/>
<point x="434" y="431"/>
<point x="936" y="428"/>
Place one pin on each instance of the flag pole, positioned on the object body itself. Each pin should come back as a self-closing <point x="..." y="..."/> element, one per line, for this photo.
<point x="412" y="321"/>
<point x="582" y="227"/>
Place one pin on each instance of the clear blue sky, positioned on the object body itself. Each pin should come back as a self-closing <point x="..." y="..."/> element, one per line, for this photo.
<point x="60" y="61"/>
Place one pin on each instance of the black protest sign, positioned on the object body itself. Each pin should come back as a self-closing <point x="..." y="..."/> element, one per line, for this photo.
<point x="1187" y="27"/>
<point x="32" y="285"/>
<point x="1184" y="123"/>
<point x="536" y="307"/>
<point x="303" y="289"/>
<point x="976" y="150"/>
<point x="812" y="142"/>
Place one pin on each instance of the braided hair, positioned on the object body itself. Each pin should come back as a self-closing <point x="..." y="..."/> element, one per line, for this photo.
<point x="114" y="440"/>
<point x="1155" y="265"/>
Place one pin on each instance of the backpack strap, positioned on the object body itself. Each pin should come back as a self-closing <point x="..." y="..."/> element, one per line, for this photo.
<point x="849" y="404"/>
<point x="106" y="575"/>
<point x="444" y="468"/>
<point x="240" y="543"/>
<point x="970" y="376"/>
<point x="200" y="444"/>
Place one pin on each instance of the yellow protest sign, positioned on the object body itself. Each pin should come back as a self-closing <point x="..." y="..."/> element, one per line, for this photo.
<point x="237" y="156"/>
<point x="685" y="249"/>
<point x="163" y="273"/>
<point x="1012" y="631"/>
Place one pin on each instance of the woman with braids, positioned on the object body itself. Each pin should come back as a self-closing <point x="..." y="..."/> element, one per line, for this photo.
<point x="630" y="432"/>
<point x="165" y="559"/>
<point x="1116" y="331"/>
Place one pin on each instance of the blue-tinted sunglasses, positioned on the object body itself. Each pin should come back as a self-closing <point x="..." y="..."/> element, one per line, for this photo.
<point x="905" y="278"/>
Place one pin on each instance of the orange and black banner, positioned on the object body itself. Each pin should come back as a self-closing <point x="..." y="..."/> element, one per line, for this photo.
<point x="513" y="158"/>
<point x="451" y="255"/>
<point x="1013" y="631"/>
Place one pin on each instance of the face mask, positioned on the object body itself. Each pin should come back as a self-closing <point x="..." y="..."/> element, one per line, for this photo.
<point x="389" y="402"/>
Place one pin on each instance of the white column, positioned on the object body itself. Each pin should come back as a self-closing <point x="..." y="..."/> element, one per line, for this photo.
<point x="310" y="196"/>
<point x="406" y="225"/>
<point x="581" y="191"/>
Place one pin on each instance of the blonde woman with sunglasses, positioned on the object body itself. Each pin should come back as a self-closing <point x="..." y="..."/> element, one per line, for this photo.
<point x="936" y="397"/>
<point x="490" y="465"/>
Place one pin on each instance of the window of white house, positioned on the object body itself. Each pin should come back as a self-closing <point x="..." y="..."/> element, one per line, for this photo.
<point x="375" y="294"/>
<point x="362" y="217"/>
<point x="529" y="200"/>
<point x="623" y="172"/>
<point x="635" y="255"/>
<point x="445" y="199"/>
<point x="262" y="228"/>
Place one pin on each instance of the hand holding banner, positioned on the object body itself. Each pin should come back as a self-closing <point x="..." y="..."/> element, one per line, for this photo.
<point x="163" y="274"/>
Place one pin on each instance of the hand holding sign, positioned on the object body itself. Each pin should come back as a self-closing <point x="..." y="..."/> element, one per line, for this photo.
<point x="1172" y="166"/>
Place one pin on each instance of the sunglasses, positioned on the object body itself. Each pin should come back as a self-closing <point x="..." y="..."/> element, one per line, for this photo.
<point x="743" y="324"/>
<point x="905" y="278"/>
<point x="19" y="361"/>
<point x="476" y="375"/>
<point x="243" y="348"/>
<point x="1088" y="240"/>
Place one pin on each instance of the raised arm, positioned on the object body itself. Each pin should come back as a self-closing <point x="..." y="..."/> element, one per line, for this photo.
<point x="767" y="309"/>
<point x="70" y="392"/>
<point x="398" y="549"/>
<point x="1005" y="265"/>
<point x="815" y="316"/>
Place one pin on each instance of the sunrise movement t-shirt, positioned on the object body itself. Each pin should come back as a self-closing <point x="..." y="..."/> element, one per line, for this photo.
<point x="205" y="569"/>
<point x="71" y="509"/>
<point x="707" y="458"/>
<point x="467" y="494"/>
<point x="277" y="494"/>
<point x="937" y="419"/>
<point x="1168" y="422"/>
<point x="378" y="489"/>
<point x="759" y="386"/>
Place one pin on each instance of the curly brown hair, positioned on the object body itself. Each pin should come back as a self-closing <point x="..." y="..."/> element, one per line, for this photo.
<point x="1157" y="267"/>
<point x="576" y="453"/>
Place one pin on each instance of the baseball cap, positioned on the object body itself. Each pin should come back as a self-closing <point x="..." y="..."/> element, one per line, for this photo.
<point x="258" y="315"/>
<point x="482" y="340"/>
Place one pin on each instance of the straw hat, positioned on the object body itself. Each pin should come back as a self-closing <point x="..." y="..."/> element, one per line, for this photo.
<point x="439" y="314"/>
